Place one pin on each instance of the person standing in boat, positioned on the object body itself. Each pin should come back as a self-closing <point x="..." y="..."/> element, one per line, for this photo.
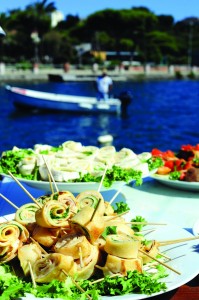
<point x="104" y="84"/>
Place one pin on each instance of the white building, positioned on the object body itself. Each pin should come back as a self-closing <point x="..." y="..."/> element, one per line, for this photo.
<point x="56" y="17"/>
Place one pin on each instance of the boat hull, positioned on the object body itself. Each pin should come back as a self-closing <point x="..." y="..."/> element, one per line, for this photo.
<point x="48" y="101"/>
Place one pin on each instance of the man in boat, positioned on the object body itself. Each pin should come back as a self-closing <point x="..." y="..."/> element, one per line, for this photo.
<point x="104" y="84"/>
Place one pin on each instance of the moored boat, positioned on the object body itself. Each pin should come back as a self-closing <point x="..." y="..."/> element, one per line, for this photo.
<point x="52" y="101"/>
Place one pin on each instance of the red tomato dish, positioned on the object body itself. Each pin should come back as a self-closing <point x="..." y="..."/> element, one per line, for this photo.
<point x="180" y="165"/>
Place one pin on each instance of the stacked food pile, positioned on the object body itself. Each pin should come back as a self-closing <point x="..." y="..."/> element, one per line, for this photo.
<point x="61" y="236"/>
<point x="73" y="162"/>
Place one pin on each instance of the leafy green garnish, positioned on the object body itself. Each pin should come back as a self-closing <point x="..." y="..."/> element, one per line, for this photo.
<point x="174" y="175"/>
<point x="121" y="207"/>
<point x="10" y="159"/>
<point x="112" y="175"/>
<point x="109" y="230"/>
<point x="138" y="227"/>
<point x="155" y="163"/>
<point x="134" y="282"/>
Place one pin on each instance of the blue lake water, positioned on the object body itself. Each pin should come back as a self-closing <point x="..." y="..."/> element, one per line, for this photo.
<point x="163" y="114"/>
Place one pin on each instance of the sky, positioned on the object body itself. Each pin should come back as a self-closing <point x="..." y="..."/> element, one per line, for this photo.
<point x="179" y="9"/>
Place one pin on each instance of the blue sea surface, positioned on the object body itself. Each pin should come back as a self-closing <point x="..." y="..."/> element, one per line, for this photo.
<point x="162" y="114"/>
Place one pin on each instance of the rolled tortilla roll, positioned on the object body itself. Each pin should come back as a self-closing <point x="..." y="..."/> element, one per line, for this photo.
<point x="9" y="252"/>
<point x="109" y="211"/>
<point x="45" y="236"/>
<point x="123" y="155"/>
<point x="53" y="214"/>
<point x="83" y="216"/>
<point x="11" y="231"/>
<point x="121" y="245"/>
<point x="83" y="223"/>
<point x="125" y="229"/>
<point x="51" y="267"/>
<point x="93" y="199"/>
<point x="85" y="271"/>
<point x="151" y="248"/>
<point x="68" y="198"/>
<point x="73" y="245"/>
<point x="25" y="215"/>
<point x="28" y="253"/>
<point x="117" y="265"/>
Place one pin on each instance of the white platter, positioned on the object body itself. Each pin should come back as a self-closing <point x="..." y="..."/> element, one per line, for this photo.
<point x="177" y="184"/>
<point x="184" y="255"/>
<point x="73" y="187"/>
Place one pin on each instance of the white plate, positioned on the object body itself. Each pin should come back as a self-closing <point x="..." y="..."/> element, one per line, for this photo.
<point x="185" y="257"/>
<point x="196" y="228"/>
<point x="73" y="187"/>
<point x="177" y="184"/>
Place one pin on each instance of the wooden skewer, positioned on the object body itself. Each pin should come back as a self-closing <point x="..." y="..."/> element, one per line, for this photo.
<point x="80" y="257"/>
<point x="39" y="246"/>
<point x="160" y="262"/>
<point x="116" y="194"/>
<point x="51" y="186"/>
<point x="25" y="190"/>
<point x="49" y="171"/>
<point x="32" y="275"/>
<point x="169" y="242"/>
<point x="95" y="209"/>
<point x="111" y="276"/>
<point x="145" y="223"/>
<point x="119" y="215"/>
<point x="10" y="202"/>
<point x="101" y="182"/>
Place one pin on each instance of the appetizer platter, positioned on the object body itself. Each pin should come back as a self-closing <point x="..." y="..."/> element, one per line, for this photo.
<point x="177" y="184"/>
<point x="82" y="245"/>
<point x="179" y="169"/>
<point x="76" y="167"/>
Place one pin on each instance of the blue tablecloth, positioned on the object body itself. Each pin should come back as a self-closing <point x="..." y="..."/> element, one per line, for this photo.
<point x="12" y="191"/>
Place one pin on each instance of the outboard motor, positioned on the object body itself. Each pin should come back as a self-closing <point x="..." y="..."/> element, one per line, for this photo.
<point x="125" y="98"/>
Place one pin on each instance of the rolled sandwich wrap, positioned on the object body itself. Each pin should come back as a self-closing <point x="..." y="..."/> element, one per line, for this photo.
<point x="151" y="248"/>
<point x="25" y="215"/>
<point x="93" y="199"/>
<point x="125" y="229"/>
<point x="73" y="245"/>
<point x="117" y="265"/>
<point x="122" y="246"/>
<point x="86" y="222"/>
<point x="28" y="253"/>
<point x="11" y="231"/>
<point x="83" y="216"/>
<point x="109" y="211"/>
<point x="95" y="228"/>
<point x="9" y="252"/>
<point x="52" y="266"/>
<point x="68" y="198"/>
<point x="53" y="214"/>
<point x="84" y="269"/>
<point x="45" y="236"/>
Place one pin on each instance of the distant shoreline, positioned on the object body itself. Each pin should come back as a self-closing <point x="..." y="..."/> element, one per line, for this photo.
<point x="88" y="75"/>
